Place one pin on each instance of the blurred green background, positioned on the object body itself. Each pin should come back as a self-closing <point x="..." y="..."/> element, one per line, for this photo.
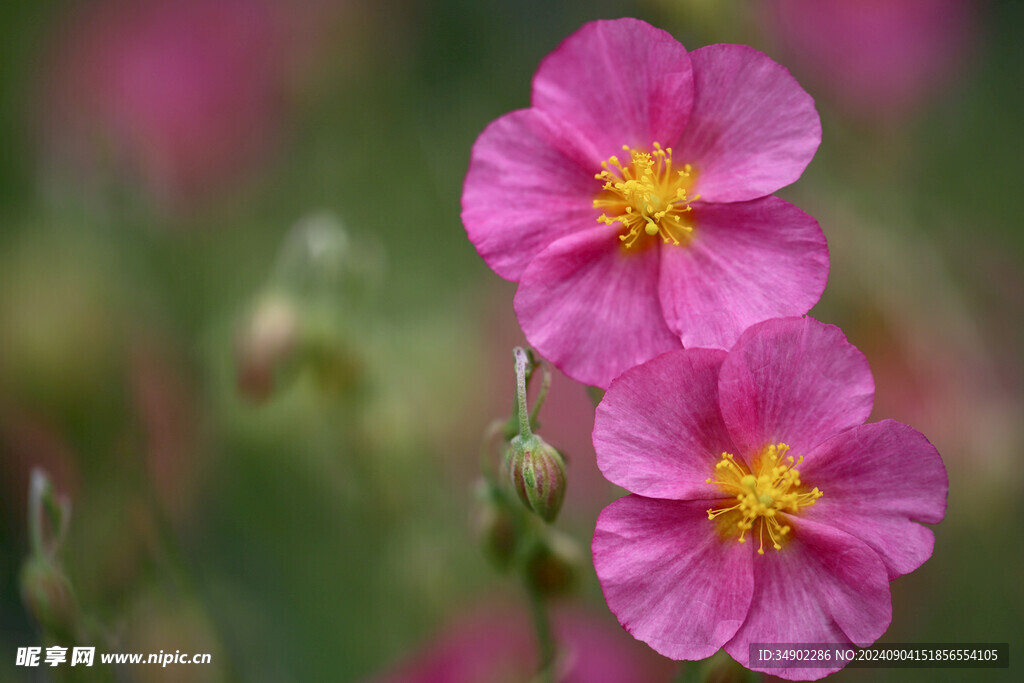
<point x="242" y="329"/>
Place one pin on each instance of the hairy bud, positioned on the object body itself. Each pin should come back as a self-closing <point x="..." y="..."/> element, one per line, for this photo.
<point x="538" y="475"/>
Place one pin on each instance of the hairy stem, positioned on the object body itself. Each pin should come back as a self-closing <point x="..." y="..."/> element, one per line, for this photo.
<point x="524" y="416"/>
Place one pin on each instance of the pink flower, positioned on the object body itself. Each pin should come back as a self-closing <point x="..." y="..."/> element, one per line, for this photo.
<point x="765" y="511"/>
<point x="631" y="202"/>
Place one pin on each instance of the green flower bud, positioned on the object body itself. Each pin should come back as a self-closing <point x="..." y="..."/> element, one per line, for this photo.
<point x="538" y="475"/>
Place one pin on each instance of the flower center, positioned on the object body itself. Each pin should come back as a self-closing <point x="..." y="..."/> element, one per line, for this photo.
<point x="646" y="195"/>
<point x="771" y="487"/>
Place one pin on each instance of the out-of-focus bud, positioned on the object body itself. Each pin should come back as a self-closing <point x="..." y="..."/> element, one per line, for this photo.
<point x="538" y="475"/>
<point x="321" y="264"/>
<point x="265" y="345"/>
<point x="497" y="528"/>
<point x="300" y="325"/>
<point x="554" y="564"/>
<point x="314" y="256"/>
<point x="47" y="595"/>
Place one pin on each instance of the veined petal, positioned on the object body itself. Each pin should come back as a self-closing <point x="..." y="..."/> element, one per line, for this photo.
<point x="752" y="129"/>
<point x="879" y="480"/>
<point x="824" y="586"/>
<point x="523" y="191"/>
<point x="795" y="381"/>
<point x="669" y="578"/>
<point x="745" y="263"/>
<point x="591" y="307"/>
<point x="658" y="431"/>
<point x="618" y="82"/>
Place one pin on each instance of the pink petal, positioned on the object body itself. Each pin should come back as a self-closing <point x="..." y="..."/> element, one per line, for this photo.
<point x="523" y="191"/>
<point x="669" y="577"/>
<point x="619" y="82"/>
<point x="795" y="381"/>
<point x="824" y="586"/>
<point x="752" y="130"/>
<point x="878" y="479"/>
<point x="658" y="431"/>
<point x="591" y="308"/>
<point x="746" y="262"/>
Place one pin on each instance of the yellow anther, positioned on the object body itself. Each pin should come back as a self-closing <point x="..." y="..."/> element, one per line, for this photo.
<point x="645" y="196"/>
<point x="770" y="487"/>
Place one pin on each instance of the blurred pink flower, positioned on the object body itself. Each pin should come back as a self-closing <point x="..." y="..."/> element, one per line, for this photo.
<point x="697" y="436"/>
<point x="496" y="645"/>
<point x="185" y="95"/>
<point x="617" y="261"/>
<point x="878" y="57"/>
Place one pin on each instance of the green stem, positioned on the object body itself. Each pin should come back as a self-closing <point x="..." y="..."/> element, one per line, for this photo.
<point x="542" y="630"/>
<point x="524" y="416"/>
<point x="541" y="395"/>
<point x="538" y="608"/>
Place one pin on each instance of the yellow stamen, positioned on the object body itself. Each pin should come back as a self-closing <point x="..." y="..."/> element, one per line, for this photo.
<point x="762" y="493"/>
<point x="646" y="196"/>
